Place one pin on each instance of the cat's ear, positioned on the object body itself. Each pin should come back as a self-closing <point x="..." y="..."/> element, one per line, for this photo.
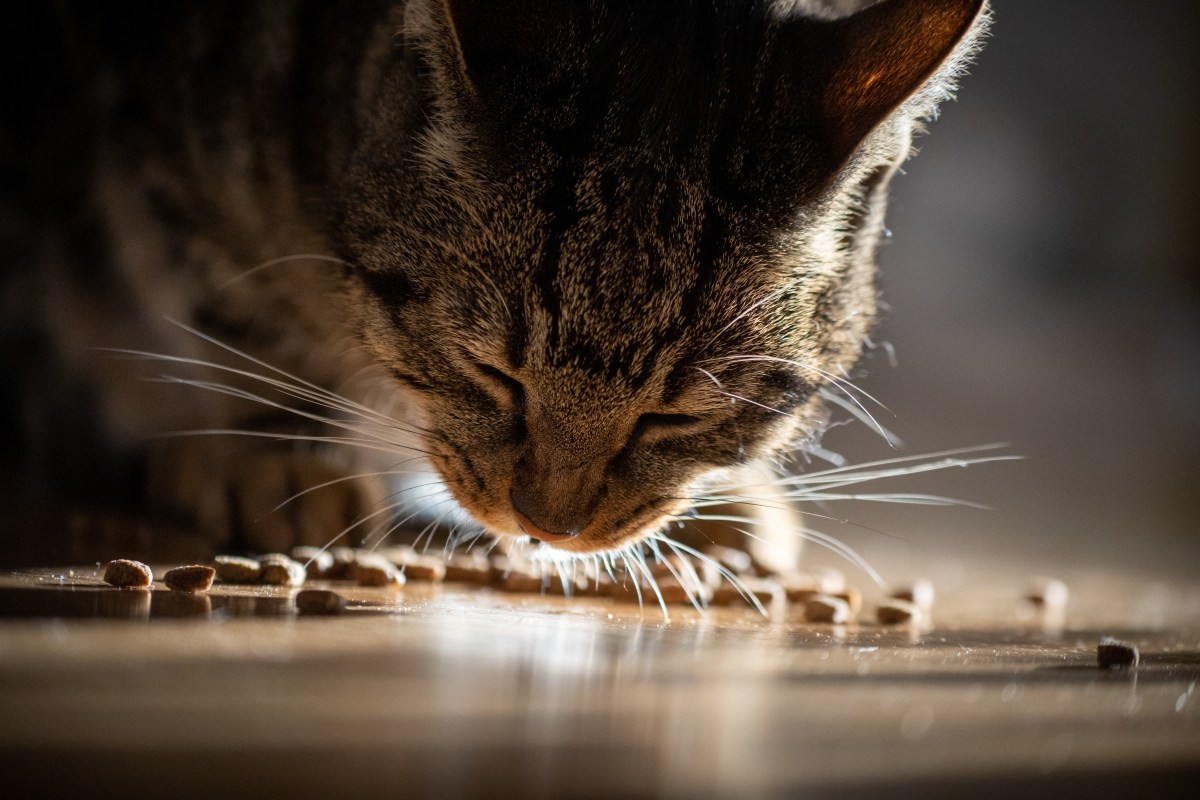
<point x="499" y="44"/>
<point x="870" y="64"/>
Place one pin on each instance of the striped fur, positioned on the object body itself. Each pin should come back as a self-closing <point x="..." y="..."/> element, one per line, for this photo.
<point x="563" y="229"/>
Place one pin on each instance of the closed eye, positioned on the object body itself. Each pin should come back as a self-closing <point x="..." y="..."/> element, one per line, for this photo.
<point x="656" y="427"/>
<point x="505" y="389"/>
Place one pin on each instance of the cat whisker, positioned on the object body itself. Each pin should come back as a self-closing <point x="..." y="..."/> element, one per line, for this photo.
<point x="816" y="537"/>
<point x="839" y="382"/>
<point x="737" y="583"/>
<point x="373" y="432"/>
<point x="322" y="398"/>
<point x="693" y="579"/>
<point x="406" y="503"/>
<point x="768" y="298"/>
<point x="754" y="403"/>
<point x="310" y="257"/>
<point x="359" y="476"/>
<point x="862" y="416"/>
<point x="294" y="381"/>
<point x="710" y="376"/>
<point x="361" y="444"/>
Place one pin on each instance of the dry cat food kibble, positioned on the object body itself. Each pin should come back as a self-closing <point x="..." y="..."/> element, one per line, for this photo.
<point x="344" y="562"/>
<point x="852" y="598"/>
<point x="1049" y="594"/>
<point x="800" y="588"/>
<point x="194" y="578"/>
<point x="736" y="561"/>
<point x="377" y="572"/>
<point x="128" y="574"/>
<point x="767" y="591"/>
<point x="1114" y="654"/>
<point x="319" y="601"/>
<point x="919" y="593"/>
<point x="424" y="568"/>
<point x="898" y="612"/>
<point x="235" y="569"/>
<point x="468" y="568"/>
<point x="827" y="608"/>
<point x="279" y="570"/>
<point x="684" y="592"/>
<point x="317" y="563"/>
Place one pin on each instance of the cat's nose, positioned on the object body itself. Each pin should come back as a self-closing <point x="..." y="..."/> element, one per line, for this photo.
<point x="534" y="529"/>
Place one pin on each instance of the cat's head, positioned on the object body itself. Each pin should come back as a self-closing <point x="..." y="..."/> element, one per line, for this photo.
<point x="617" y="247"/>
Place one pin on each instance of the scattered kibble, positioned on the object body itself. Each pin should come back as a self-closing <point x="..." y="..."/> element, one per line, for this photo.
<point x="898" y="612"/>
<point x="768" y="591"/>
<point x="127" y="574"/>
<point x="1049" y="594"/>
<point x="235" y="569"/>
<point x="375" y="573"/>
<point x="1115" y="654"/>
<point x="319" y="601"/>
<point x="831" y="580"/>
<point x="920" y="593"/>
<point x="317" y="561"/>
<point x="279" y="570"/>
<point x="468" y="568"/>
<point x="424" y="568"/>
<point x="800" y="588"/>
<point x="191" y="579"/>
<point x="853" y="599"/>
<point x="345" y="559"/>
<point x="736" y="561"/>
<point x="827" y="608"/>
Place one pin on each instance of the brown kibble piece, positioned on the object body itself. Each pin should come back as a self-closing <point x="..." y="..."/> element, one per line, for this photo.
<point x="235" y="569"/>
<point x="1115" y="654"/>
<point x="920" y="593"/>
<point x="1048" y="594"/>
<point x="898" y="612"/>
<point x="800" y="588"/>
<point x="190" y="579"/>
<point x="767" y="591"/>
<point x="370" y="572"/>
<point x="468" y="568"/>
<point x="320" y="601"/>
<point x="736" y="561"/>
<point x="344" y="562"/>
<point x="317" y="562"/>
<point x="522" y="581"/>
<point x="853" y="598"/>
<point x="424" y="568"/>
<point x="670" y="566"/>
<point x="827" y="608"/>
<point x="127" y="574"/>
<point x="831" y="580"/>
<point x="685" y="593"/>
<point x="279" y="570"/>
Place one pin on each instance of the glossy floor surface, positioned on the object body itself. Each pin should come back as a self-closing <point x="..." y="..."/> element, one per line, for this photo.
<point x="431" y="692"/>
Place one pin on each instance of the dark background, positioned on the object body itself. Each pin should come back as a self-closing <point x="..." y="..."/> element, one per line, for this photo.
<point x="1043" y="290"/>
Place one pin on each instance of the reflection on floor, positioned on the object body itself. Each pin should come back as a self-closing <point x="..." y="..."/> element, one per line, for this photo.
<point x="449" y="692"/>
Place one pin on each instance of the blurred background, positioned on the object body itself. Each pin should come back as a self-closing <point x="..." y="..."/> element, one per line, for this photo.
<point x="1043" y="289"/>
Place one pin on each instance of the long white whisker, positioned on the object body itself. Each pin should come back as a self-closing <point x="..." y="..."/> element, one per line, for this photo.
<point x="816" y="537"/>
<point x="377" y="474"/>
<point x="283" y="259"/>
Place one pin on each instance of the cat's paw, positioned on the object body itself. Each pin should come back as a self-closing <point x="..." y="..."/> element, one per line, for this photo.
<point x="263" y="499"/>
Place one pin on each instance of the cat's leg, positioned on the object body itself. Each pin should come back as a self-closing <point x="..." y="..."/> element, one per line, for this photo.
<point x="756" y="518"/>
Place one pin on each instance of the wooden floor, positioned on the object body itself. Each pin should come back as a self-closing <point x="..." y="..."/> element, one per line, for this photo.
<point x="436" y="692"/>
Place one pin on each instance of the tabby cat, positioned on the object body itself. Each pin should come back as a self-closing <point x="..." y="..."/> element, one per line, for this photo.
<point x="577" y="258"/>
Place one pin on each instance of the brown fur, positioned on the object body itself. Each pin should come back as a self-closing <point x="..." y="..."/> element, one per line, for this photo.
<point x="591" y="255"/>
